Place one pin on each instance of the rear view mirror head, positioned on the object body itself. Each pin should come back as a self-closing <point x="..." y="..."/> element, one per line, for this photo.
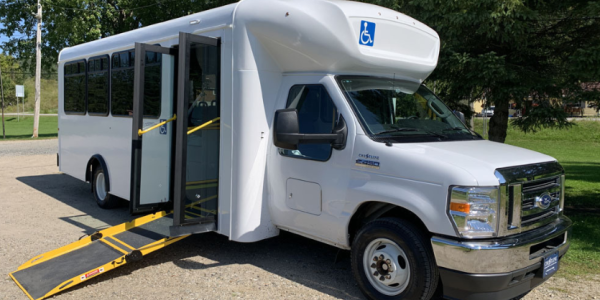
<point x="286" y="129"/>
<point x="460" y="116"/>
<point x="286" y="132"/>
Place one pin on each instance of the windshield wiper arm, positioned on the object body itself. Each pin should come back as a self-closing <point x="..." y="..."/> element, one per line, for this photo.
<point x="434" y="134"/>
<point x="400" y="129"/>
<point x="462" y="128"/>
<point x="456" y="129"/>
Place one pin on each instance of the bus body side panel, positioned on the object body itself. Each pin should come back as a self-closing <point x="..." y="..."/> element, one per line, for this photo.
<point x="256" y="80"/>
<point x="81" y="137"/>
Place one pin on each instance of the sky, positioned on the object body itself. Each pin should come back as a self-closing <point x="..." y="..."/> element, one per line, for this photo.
<point x="2" y="37"/>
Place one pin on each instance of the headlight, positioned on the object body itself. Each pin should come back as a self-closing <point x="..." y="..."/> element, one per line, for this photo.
<point x="474" y="210"/>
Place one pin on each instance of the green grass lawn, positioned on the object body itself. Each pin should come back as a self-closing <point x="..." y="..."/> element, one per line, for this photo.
<point x="578" y="151"/>
<point x="23" y="129"/>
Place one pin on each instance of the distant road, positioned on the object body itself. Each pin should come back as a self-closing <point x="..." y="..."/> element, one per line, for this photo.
<point x="28" y="114"/>
<point x="28" y="147"/>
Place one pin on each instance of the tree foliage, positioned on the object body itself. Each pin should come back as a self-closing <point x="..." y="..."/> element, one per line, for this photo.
<point x="71" y="22"/>
<point x="534" y="53"/>
<point x="9" y="78"/>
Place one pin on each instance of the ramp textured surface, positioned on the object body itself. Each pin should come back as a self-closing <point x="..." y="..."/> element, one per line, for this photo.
<point x="57" y="270"/>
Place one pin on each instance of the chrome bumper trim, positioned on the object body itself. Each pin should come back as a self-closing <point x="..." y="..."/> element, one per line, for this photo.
<point x="501" y="254"/>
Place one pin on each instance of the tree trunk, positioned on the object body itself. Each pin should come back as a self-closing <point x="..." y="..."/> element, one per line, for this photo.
<point x="499" y="122"/>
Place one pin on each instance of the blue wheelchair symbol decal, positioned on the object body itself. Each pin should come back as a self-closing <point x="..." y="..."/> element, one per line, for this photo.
<point x="367" y="33"/>
<point x="163" y="128"/>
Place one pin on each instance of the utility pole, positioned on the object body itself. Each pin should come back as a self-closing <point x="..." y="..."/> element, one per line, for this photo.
<point x="2" y="89"/>
<point x="38" y="70"/>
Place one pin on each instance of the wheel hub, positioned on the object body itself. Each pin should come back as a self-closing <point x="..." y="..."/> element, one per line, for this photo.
<point x="383" y="266"/>
<point x="386" y="267"/>
<point x="100" y="186"/>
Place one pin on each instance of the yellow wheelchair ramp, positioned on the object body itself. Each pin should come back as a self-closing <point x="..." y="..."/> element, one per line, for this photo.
<point x="63" y="268"/>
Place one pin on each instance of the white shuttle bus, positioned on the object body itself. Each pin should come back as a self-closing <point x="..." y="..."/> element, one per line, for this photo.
<point x="310" y="117"/>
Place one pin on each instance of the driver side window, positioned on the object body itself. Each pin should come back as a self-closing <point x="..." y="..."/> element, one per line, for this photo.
<point x="316" y="114"/>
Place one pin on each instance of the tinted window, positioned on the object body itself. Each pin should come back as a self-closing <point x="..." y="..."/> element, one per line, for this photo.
<point x="74" y="91"/>
<point x="316" y="114"/>
<point x="98" y="86"/>
<point x="122" y="84"/>
<point x="152" y="84"/>
<point x="122" y="77"/>
<point x="203" y="93"/>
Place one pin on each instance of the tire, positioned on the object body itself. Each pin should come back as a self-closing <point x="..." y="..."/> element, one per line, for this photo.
<point x="103" y="198"/>
<point x="408" y="266"/>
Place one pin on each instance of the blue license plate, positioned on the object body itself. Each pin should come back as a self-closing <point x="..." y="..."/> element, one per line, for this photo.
<point x="550" y="264"/>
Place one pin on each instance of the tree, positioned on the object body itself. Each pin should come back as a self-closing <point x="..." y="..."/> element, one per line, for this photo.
<point x="537" y="54"/>
<point x="534" y="53"/>
<point x="11" y="75"/>
<point x="71" y="22"/>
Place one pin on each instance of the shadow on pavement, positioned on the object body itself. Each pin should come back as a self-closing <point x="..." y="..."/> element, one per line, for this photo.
<point x="310" y="263"/>
<point x="77" y="194"/>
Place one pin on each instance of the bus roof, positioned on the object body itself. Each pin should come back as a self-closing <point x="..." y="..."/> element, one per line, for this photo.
<point x="213" y="18"/>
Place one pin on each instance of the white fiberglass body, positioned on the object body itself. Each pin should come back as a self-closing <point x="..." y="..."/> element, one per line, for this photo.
<point x="267" y="48"/>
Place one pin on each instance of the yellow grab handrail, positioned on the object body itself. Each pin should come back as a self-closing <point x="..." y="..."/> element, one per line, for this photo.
<point x="140" y="132"/>
<point x="203" y="125"/>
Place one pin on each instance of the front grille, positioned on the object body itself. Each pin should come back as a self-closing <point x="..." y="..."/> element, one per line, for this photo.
<point x="540" y="185"/>
<point x="537" y="217"/>
<point x="533" y="212"/>
<point x="528" y="203"/>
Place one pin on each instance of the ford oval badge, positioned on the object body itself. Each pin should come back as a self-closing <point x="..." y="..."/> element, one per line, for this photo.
<point x="543" y="201"/>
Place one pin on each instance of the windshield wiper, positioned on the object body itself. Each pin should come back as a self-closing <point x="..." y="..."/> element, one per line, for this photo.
<point x="456" y="129"/>
<point x="434" y="134"/>
<point x="462" y="128"/>
<point x="401" y="129"/>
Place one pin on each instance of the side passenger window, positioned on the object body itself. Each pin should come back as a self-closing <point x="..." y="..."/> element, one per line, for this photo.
<point x="75" y="90"/>
<point x="316" y="114"/>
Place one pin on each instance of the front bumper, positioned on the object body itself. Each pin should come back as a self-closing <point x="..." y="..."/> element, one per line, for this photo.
<point x="499" y="268"/>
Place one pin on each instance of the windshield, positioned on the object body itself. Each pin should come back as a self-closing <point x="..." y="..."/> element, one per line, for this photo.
<point x="389" y="110"/>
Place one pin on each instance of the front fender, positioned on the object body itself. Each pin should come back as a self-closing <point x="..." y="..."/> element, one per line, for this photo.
<point x="428" y="201"/>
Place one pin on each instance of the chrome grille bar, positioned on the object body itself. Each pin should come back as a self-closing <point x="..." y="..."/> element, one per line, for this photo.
<point x="519" y="188"/>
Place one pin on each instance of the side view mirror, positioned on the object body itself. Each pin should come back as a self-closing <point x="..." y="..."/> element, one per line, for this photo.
<point x="286" y="132"/>
<point x="460" y="116"/>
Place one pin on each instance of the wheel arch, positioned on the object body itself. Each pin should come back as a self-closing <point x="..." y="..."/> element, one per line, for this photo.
<point x="372" y="210"/>
<point x="97" y="161"/>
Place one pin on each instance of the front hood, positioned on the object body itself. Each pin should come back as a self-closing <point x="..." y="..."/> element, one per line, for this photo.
<point x="479" y="158"/>
<point x="442" y="163"/>
<point x="491" y="154"/>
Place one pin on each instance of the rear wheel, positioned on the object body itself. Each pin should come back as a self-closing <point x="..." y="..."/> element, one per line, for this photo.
<point x="392" y="260"/>
<point x="103" y="198"/>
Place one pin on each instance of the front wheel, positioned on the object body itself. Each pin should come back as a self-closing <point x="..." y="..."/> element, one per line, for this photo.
<point x="103" y="198"/>
<point x="391" y="259"/>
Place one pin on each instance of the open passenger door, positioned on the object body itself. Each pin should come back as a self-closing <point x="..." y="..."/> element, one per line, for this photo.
<point x="173" y="164"/>
<point x="153" y="129"/>
<point x="196" y="170"/>
<point x="177" y="163"/>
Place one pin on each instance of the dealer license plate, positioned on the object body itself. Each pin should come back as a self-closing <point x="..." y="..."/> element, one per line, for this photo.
<point x="550" y="264"/>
